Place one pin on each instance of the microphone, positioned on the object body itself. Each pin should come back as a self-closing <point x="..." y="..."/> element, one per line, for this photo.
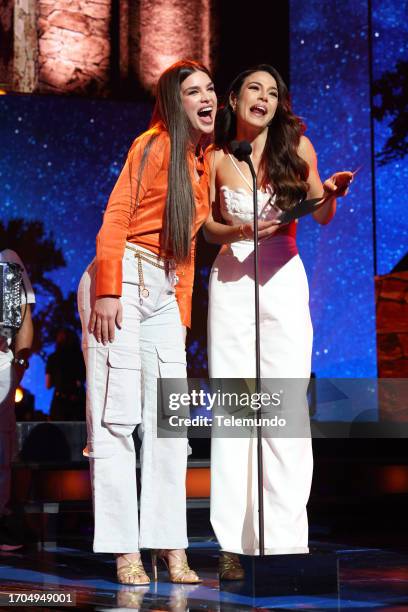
<point x="241" y="150"/>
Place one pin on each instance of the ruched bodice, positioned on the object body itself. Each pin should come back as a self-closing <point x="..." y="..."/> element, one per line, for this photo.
<point x="237" y="205"/>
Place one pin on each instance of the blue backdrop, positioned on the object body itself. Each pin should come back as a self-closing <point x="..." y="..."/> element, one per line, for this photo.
<point x="390" y="47"/>
<point x="330" y="88"/>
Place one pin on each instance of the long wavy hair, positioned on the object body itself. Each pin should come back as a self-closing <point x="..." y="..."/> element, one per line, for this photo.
<point x="169" y="114"/>
<point x="280" y="165"/>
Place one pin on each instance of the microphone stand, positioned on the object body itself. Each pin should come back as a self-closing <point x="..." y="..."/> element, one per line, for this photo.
<point x="248" y="160"/>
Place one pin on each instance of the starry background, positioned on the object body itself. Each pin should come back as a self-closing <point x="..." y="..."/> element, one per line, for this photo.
<point x="330" y="88"/>
<point x="333" y="47"/>
<point x="60" y="158"/>
<point x="390" y="45"/>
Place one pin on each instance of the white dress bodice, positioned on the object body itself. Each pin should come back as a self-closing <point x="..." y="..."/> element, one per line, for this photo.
<point x="236" y="205"/>
<point x="236" y="208"/>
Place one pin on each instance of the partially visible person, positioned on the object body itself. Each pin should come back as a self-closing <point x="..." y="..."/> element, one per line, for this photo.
<point x="14" y="356"/>
<point x="65" y="371"/>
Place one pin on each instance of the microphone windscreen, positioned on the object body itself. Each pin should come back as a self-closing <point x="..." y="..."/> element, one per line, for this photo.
<point x="245" y="147"/>
<point x="241" y="150"/>
<point x="234" y="146"/>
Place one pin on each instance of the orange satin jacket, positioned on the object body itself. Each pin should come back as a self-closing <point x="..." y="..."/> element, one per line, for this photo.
<point x="121" y="223"/>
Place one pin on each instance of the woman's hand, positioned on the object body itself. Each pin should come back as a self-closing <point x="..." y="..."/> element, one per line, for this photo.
<point x="338" y="184"/>
<point x="265" y="229"/>
<point x="106" y="313"/>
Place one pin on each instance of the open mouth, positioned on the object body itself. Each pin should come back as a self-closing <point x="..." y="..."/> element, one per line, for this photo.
<point x="205" y="114"/>
<point x="259" y="110"/>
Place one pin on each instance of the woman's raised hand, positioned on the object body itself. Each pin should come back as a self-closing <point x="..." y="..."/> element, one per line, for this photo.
<point x="338" y="184"/>
<point x="106" y="313"/>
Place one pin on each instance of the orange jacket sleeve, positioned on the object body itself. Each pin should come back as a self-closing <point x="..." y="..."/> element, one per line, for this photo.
<point x="111" y="239"/>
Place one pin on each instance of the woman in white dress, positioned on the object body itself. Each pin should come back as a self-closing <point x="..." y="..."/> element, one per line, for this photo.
<point x="258" y="111"/>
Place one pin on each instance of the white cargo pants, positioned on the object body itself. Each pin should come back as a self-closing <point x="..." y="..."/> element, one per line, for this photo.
<point x="121" y="392"/>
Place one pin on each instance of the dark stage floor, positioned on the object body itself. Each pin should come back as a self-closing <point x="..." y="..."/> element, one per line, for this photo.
<point x="375" y="578"/>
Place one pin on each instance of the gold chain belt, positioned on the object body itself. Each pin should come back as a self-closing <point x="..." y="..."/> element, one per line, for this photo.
<point x="151" y="258"/>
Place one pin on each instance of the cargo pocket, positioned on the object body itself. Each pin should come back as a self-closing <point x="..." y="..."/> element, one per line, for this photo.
<point x="173" y="380"/>
<point x="123" y="399"/>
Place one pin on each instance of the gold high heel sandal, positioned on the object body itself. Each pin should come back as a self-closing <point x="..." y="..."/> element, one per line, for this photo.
<point x="132" y="572"/>
<point x="179" y="572"/>
<point x="230" y="567"/>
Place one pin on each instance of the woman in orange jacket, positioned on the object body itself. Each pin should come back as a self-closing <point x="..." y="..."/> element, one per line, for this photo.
<point x="134" y="300"/>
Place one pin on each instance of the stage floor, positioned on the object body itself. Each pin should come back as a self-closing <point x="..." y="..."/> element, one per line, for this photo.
<point x="368" y="578"/>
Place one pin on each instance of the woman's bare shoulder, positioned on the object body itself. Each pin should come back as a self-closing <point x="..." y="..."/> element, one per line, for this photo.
<point x="306" y="149"/>
<point x="214" y="155"/>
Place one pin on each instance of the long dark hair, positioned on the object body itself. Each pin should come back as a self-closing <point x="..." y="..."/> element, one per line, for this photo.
<point x="280" y="164"/>
<point x="169" y="114"/>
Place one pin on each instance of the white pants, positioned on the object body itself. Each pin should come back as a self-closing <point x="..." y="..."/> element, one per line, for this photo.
<point x="286" y="342"/>
<point x="7" y="433"/>
<point x="121" y="392"/>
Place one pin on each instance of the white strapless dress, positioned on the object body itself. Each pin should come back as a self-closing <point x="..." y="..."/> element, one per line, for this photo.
<point x="286" y="345"/>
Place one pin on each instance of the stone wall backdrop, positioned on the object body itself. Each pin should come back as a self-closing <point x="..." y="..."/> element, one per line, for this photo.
<point x="74" y="46"/>
<point x="392" y="324"/>
<point x="25" y="61"/>
<point x="169" y="30"/>
<point x="6" y="43"/>
<point x="98" y="47"/>
<point x="392" y="345"/>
